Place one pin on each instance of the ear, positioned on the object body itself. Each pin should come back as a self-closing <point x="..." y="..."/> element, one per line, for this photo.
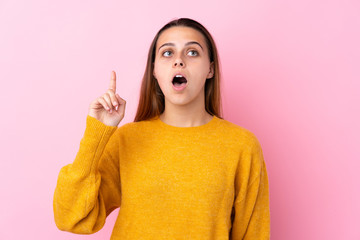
<point x="153" y="70"/>
<point x="211" y="72"/>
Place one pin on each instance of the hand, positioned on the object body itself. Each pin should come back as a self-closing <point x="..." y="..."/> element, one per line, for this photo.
<point x="110" y="107"/>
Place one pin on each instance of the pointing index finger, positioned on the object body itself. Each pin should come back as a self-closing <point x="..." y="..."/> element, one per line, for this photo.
<point x="113" y="81"/>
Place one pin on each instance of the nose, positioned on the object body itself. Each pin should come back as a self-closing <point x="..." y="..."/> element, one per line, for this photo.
<point x="179" y="62"/>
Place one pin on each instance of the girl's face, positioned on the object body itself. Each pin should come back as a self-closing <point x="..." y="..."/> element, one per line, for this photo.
<point x="182" y="51"/>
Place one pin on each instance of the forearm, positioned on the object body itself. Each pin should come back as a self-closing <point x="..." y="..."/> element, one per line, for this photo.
<point x="78" y="204"/>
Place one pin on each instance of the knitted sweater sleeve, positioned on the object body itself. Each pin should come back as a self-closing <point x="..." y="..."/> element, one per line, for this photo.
<point x="251" y="215"/>
<point x="88" y="190"/>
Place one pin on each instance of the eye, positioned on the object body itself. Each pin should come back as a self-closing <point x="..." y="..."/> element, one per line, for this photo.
<point x="194" y="51"/>
<point x="164" y="53"/>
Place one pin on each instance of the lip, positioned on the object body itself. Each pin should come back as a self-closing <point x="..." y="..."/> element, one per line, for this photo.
<point x="179" y="73"/>
<point x="180" y="88"/>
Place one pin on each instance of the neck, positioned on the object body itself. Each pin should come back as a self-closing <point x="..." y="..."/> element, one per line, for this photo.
<point x="184" y="115"/>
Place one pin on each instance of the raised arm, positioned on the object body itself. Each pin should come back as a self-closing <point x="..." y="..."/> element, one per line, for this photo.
<point x="88" y="190"/>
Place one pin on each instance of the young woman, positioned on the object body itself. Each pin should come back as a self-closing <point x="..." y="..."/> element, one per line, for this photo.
<point x="179" y="171"/>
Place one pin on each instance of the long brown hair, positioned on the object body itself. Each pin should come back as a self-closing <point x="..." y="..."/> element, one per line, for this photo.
<point x="152" y="101"/>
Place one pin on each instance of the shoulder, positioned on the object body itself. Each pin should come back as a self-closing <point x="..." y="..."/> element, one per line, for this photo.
<point x="251" y="154"/>
<point x="134" y="127"/>
<point x="238" y="133"/>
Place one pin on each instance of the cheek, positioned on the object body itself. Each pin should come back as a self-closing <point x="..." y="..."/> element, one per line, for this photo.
<point x="160" y="80"/>
<point x="161" y="84"/>
<point x="157" y="69"/>
<point x="161" y="73"/>
<point x="202" y="74"/>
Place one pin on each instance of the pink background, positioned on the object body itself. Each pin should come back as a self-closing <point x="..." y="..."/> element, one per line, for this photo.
<point x="291" y="76"/>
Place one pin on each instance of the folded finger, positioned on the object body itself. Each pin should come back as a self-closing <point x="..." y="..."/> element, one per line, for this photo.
<point x="102" y="101"/>
<point x="106" y="96"/>
<point x="113" y="98"/>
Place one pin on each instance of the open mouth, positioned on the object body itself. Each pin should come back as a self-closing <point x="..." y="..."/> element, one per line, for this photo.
<point x="179" y="80"/>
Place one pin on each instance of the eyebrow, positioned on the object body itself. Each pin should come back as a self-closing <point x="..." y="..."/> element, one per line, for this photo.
<point x="188" y="43"/>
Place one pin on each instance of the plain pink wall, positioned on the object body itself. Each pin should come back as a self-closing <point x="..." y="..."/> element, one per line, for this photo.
<point x="290" y="75"/>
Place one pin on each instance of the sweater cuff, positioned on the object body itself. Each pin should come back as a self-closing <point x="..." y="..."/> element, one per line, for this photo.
<point x="96" y="129"/>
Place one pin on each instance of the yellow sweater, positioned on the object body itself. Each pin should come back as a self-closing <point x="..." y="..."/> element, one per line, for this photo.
<point x="207" y="182"/>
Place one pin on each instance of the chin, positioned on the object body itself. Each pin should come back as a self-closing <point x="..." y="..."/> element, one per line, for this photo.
<point x="178" y="102"/>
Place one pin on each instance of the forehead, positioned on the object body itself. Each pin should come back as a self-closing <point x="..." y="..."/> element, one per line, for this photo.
<point x="180" y="35"/>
